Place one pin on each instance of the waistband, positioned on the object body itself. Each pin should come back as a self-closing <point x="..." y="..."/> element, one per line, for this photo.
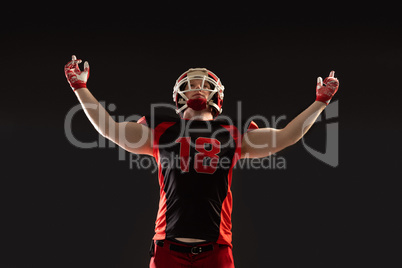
<point x="194" y="249"/>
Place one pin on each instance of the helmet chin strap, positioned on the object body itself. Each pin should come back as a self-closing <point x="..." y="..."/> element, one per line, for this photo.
<point x="197" y="104"/>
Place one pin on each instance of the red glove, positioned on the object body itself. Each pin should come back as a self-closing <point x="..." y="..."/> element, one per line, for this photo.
<point x="325" y="93"/>
<point x="75" y="77"/>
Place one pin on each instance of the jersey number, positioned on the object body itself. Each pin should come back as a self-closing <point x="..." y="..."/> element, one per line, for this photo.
<point x="205" y="160"/>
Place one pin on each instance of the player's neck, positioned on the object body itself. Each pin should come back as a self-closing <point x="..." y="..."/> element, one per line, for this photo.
<point x="202" y="115"/>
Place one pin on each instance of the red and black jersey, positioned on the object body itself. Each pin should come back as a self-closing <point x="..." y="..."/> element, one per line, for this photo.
<point x="195" y="162"/>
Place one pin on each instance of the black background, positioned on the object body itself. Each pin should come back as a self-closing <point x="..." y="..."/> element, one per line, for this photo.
<point x="62" y="206"/>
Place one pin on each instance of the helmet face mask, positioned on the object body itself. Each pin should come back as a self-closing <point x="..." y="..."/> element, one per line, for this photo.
<point x="215" y="97"/>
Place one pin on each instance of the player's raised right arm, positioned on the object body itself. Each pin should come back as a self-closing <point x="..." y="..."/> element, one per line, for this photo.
<point x="133" y="137"/>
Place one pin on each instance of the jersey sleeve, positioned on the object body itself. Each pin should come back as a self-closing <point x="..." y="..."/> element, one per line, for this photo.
<point x="252" y="126"/>
<point x="156" y="120"/>
<point x="143" y="121"/>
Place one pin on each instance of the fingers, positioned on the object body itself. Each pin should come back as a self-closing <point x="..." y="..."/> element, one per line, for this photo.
<point x="331" y="74"/>
<point x="73" y="64"/>
<point x="86" y="66"/>
<point x="319" y="82"/>
<point x="74" y="60"/>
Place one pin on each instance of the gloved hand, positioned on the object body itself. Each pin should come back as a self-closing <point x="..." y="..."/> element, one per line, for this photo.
<point x="327" y="91"/>
<point x="75" y="77"/>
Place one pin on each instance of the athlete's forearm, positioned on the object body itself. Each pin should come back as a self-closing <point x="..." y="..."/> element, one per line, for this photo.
<point x="95" y="112"/>
<point x="296" y="129"/>
<point x="133" y="137"/>
<point x="77" y="79"/>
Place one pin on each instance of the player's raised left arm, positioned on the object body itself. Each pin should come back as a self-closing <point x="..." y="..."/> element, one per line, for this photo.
<point x="266" y="141"/>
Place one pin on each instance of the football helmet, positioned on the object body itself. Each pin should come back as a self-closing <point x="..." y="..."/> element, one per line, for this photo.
<point x="215" y="98"/>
